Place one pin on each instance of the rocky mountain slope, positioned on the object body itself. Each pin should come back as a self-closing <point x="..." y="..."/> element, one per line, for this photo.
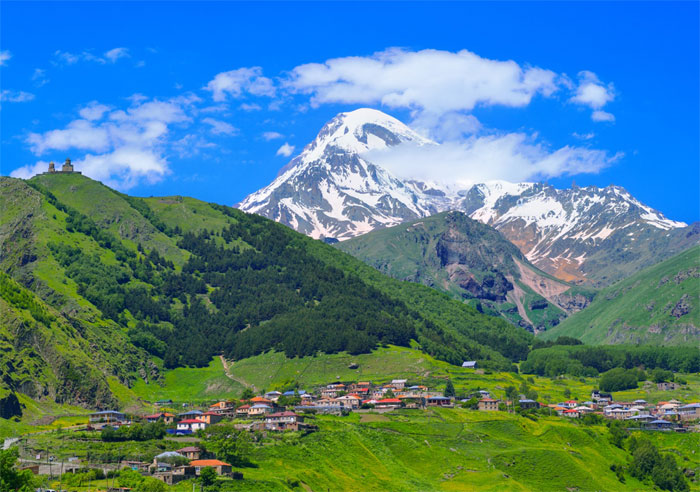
<point x="473" y="262"/>
<point x="99" y="290"/>
<point x="659" y="305"/>
<point x="332" y="190"/>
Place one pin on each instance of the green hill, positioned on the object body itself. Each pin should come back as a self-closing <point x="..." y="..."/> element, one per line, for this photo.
<point x="473" y="262"/>
<point x="101" y="290"/>
<point x="658" y="305"/>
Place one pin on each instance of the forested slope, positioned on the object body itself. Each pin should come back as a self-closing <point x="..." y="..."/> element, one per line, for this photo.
<point x="174" y="281"/>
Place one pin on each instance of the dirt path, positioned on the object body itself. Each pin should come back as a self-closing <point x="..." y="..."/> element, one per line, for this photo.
<point x="227" y="366"/>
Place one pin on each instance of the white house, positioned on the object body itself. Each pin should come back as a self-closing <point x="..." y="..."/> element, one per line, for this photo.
<point x="191" y="425"/>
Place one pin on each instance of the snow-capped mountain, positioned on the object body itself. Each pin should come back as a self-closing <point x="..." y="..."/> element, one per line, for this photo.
<point x="331" y="190"/>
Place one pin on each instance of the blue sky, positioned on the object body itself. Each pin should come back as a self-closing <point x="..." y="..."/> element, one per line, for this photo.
<point x="209" y="99"/>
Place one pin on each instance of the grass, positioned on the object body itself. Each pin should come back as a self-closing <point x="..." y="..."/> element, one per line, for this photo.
<point x="273" y="370"/>
<point x="638" y="309"/>
<point x="191" y="385"/>
<point x="444" y="449"/>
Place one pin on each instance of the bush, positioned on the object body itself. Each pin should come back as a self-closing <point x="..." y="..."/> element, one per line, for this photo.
<point x="619" y="379"/>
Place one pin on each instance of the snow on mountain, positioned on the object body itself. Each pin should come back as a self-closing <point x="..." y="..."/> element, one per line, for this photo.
<point x="331" y="190"/>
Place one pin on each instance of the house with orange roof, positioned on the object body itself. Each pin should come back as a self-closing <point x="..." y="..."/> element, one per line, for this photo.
<point x="220" y="467"/>
<point x="488" y="405"/>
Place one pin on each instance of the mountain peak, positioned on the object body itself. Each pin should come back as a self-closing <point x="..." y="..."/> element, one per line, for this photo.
<point x="360" y="131"/>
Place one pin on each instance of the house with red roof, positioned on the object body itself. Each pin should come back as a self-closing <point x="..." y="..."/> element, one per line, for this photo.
<point x="242" y="411"/>
<point x="388" y="403"/>
<point x="191" y="425"/>
<point x="221" y="467"/>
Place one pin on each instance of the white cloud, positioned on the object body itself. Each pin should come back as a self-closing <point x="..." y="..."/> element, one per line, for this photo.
<point x="93" y="111"/>
<point x="219" y="127"/>
<point x="592" y="93"/>
<point x="602" y="116"/>
<point x="512" y="157"/>
<point x="583" y="136"/>
<point x="285" y="150"/>
<point x="272" y="135"/>
<point x="235" y="82"/>
<point x="15" y="96"/>
<point x="126" y="147"/>
<point x="116" y="53"/>
<point x="5" y="56"/>
<point x="26" y="172"/>
<point x="429" y="80"/>
<point x="250" y="107"/>
<point x="111" y="56"/>
<point x="39" y="77"/>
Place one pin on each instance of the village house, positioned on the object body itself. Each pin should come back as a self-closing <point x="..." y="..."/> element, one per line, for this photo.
<point x="601" y="398"/>
<point x="378" y="393"/>
<point x="211" y="418"/>
<point x="273" y="395"/>
<point x="332" y="390"/>
<point x="259" y="409"/>
<point x="307" y="399"/>
<point x="398" y="384"/>
<point x="488" y="405"/>
<point x="388" y="403"/>
<point x="222" y="407"/>
<point x="659" y="424"/>
<point x="571" y="413"/>
<point x="283" y="421"/>
<point x="220" y="467"/>
<point x="689" y="412"/>
<point x="139" y="466"/>
<point x="168" y="418"/>
<point x="192" y="414"/>
<point x="188" y="426"/>
<point x="242" y="411"/>
<point x="667" y="386"/>
<point x="469" y="364"/>
<point x="190" y="452"/>
<point x="412" y="401"/>
<point x="439" y="401"/>
<point x="349" y="402"/>
<point x="526" y="403"/>
<point x="259" y="400"/>
<point x="107" y="417"/>
<point x="176" y="474"/>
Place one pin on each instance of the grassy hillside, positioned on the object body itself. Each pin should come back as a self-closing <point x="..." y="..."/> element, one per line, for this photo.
<point x="658" y="305"/>
<point x="472" y="262"/>
<point x="102" y="291"/>
<point x="428" y="451"/>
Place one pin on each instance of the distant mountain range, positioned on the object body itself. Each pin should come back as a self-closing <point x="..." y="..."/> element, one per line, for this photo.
<point x="333" y="191"/>
<point x="473" y="262"/>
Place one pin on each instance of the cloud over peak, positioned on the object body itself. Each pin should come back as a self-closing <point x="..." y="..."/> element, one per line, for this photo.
<point x="428" y="80"/>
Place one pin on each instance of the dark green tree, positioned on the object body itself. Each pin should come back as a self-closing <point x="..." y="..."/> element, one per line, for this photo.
<point x="449" y="389"/>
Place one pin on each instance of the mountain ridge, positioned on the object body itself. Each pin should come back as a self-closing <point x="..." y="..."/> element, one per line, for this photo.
<point x="333" y="190"/>
<point x="472" y="262"/>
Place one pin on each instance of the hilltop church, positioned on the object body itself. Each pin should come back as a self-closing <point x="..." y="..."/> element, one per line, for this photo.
<point x="67" y="168"/>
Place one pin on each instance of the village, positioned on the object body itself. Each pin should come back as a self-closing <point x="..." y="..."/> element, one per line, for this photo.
<point x="294" y="411"/>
